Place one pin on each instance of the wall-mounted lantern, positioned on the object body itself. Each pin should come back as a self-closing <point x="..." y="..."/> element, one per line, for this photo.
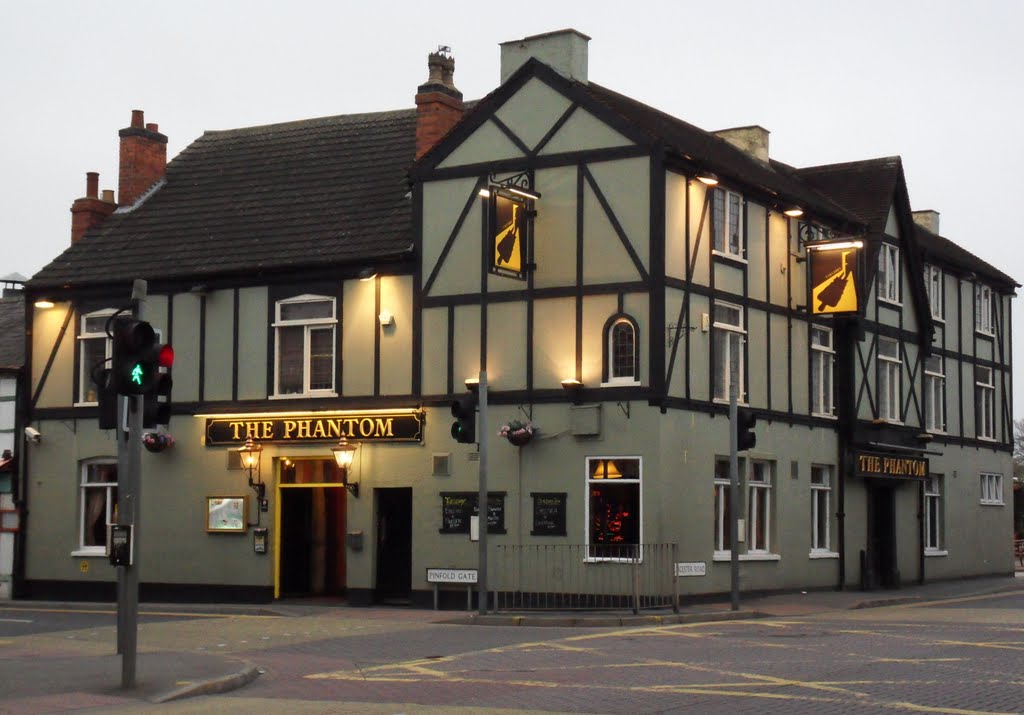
<point x="343" y="452"/>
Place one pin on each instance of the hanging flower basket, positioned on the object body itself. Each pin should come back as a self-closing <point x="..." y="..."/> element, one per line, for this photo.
<point x="518" y="433"/>
<point x="157" y="441"/>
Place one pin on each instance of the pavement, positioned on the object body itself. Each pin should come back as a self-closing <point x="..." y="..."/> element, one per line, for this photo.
<point x="58" y="671"/>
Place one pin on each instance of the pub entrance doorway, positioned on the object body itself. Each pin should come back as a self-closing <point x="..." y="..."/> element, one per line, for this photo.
<point x="310" y="553"/>
<point x="879" y="567"/>
<point x="394" y="545"/>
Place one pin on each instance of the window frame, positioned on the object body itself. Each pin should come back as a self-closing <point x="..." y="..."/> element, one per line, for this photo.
<point x="84" y="376"/>
<point x="933" y="516"/>
<point x="890" y="367"/>
<point x="759" y="504"/>
<point x="984" y="310"/>
<point x="935" y="278"/>
<point x="109" y="506"/>
<point x="721" y="224"/>
<point x="935" y="395"/>
<point x="308" y="325"/>
<point x="720" y="366"/>
<point x="889" y="283"/>
<point x="824" y="354"/>
<point x="821" y="499"/>
<point x="722" y="505"/>
<point x="991" y="489"/>
<point x="985" y="404"/>
<point x="592" y="549"/>
<point x="609" y="379"/>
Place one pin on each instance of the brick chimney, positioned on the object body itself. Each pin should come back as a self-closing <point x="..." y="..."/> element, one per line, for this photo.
<point x="143" y="159"/>
<point x="90" y="210"/>
<point x="438" y="104"/>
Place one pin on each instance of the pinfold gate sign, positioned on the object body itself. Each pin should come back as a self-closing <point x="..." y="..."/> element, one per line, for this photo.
<point x="405" y="426"/>
<point x="872" y="464"/>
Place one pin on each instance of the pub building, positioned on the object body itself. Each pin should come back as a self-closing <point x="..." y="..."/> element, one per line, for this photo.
<point x="330" y="285"/>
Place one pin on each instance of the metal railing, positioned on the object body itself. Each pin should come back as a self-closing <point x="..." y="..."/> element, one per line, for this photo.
<point x="584" y="577"/>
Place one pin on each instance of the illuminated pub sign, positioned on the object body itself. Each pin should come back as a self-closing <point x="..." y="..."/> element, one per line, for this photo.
<point x="897" y="466"/>
<point x="835" y="269"/>
<point x="510" y="210"/>
<point x="292" y="428"/>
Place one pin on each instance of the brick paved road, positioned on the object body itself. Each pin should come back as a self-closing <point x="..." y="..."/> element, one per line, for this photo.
<point x="965" y="656"/>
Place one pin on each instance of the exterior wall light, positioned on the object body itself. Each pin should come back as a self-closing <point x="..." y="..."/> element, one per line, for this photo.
<point x="250" y="454"/>
<point x="573" y="388"/>
<point x="794" y="212"/>
<point x="44" y="303"/>
<point x="343" y="452"/>
<point x="706" y="177"/>
<point x="367" y="274"/>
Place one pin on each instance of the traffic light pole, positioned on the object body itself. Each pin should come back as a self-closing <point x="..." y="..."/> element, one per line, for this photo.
<point x="129" y="487"/>
<point x="481" y="583"/>
<point x="734" y="485"/>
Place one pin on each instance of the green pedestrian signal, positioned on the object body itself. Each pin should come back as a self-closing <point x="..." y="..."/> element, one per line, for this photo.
<point x="137" y="374"/>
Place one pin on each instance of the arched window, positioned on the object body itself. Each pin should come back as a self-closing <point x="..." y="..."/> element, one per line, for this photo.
<point x="622" y="354"/>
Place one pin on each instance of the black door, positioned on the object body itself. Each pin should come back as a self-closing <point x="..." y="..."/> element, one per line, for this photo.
<point x="880" y="564"/>
<point x="296" y="532"/>
<point x="394" y="544"/>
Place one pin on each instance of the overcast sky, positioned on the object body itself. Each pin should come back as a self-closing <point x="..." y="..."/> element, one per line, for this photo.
<point x="934" y="81"/>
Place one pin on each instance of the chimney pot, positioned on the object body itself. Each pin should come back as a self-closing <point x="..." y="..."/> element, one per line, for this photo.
<point x="153" y="127"/>
<point x="143" y="159"/>
<point x="92" y="184"/>
<point x="439" y="104"/>
<point x="108" y="195"/>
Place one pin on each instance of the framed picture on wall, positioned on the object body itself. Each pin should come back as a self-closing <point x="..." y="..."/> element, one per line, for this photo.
<point x="225" y="514"/>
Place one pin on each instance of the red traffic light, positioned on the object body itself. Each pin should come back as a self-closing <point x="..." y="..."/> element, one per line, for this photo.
<point x="165" y="358"/>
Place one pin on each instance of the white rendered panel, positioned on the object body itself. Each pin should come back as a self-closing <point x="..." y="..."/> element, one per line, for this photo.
<point x="532" y="111"/>
<point x="582" y="132"/>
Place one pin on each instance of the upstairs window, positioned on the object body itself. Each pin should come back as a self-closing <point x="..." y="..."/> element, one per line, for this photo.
<point x="933" y="283"/>
<point x="889" y="273"/>
<point x="759" y="508"/>
<point x="727" y="335"/>
<point x="985" y="402"/>
<point x="822" y="359"/>
<point x="983" y="307"/>
<point x="304" y="346"/>
<point x="94" y="348"/>
<point x="622" y="355"/>
<point x="934" y="394"/>
<point x="727" y="223"/>
<point x="890" y="373"/>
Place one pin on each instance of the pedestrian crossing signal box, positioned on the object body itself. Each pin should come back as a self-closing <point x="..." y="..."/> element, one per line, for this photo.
<point x="121" y="545"/>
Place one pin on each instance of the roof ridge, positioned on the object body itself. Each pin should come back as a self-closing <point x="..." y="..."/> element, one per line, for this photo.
<point x="881" y="161"/>
<point x="396" y="113"/>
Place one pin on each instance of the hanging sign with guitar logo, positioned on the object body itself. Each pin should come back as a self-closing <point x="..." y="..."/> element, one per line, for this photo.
<point x="835" y="275"/>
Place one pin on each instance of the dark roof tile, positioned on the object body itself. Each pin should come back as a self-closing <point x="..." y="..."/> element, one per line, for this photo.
<point x="300" y="194"/>
<point x="12" y="332"/>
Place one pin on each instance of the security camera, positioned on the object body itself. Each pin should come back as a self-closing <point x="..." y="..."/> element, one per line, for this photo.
<point x="32" y="435"/>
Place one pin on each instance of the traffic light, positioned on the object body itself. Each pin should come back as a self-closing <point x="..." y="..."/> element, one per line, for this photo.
<point x="137" y="357"/>
<point x="464" y="426"/>
<point x="745" y="437"/>
<point x="156" y="406"/>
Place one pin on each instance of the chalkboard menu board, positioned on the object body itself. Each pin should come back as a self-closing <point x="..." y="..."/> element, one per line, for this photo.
<point x="457" y="507"/>
<point x="548" y="513"/>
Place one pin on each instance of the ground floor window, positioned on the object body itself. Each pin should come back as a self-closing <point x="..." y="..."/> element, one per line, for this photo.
<point x="991" y="488"/>
<point x="613" y="507"/>
<point x="759" y="507"/>
<point x="98" y="498"/>
<point x="933" y="513"/>
<point x="723" y="512"/>
<point x="821" y="493"/>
